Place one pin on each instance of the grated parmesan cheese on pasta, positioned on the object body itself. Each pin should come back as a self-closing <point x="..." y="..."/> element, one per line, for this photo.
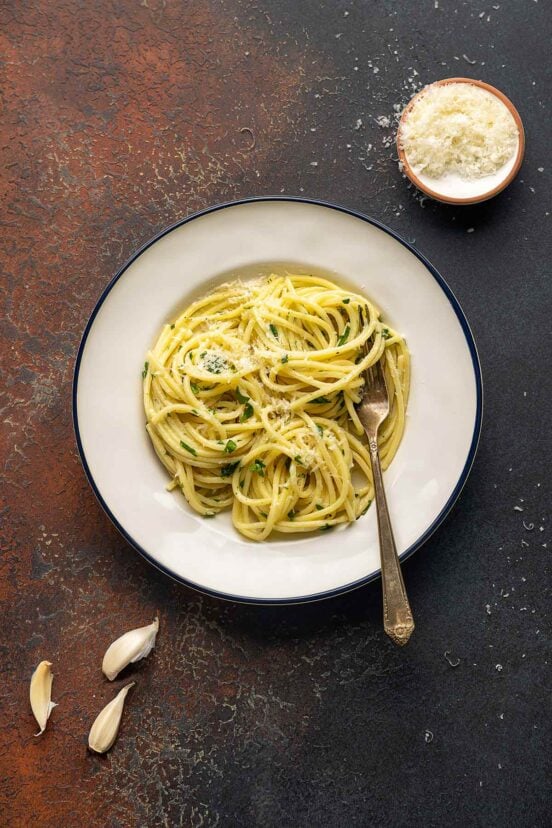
<point x="458" y="128"/>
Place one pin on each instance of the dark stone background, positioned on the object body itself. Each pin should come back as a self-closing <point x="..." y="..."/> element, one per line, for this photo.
<point x="118" y="118"/>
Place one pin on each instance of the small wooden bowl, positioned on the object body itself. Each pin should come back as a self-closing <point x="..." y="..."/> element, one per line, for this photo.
<point x="475" y="199"/>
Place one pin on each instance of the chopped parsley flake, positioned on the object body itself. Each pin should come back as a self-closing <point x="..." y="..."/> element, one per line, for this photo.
<point x="319" y="507"/>
<point x="298" y="459"/>
<point x="229" y="469"/>
<point x="230" y="447"/>
<point x="346" y="301"/>
<point x="386" y="333"/>
<point x="188" y="448"/>
<point x="291" y="514"/>
<point x="195" y="387"/>
<point x="273" y="330"/>
<point x="320" y="429"/>
<point x="321" y="400"/>
<point x="326" y="528"/>
<point x="172" y="327"/>
<point x="241" y="397"/>
<point x="247" y="412"/>
<point x="285" y="359"/>
<point x="145" y="371"/>
<point x="258" y="467"/>
<point x="344" y="336"/>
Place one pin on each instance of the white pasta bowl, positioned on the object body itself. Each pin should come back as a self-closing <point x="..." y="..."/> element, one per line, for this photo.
<point x="246" y="239"/>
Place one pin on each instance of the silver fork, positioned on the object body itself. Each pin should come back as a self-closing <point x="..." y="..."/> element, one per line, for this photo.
<point x="372" y="411"/>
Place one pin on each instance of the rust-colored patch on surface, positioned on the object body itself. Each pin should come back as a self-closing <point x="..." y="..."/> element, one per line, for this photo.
<point x="118" y="119"/>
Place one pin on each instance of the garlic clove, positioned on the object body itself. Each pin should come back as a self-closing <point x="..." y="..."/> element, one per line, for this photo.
<point x="106" y="725"/>
<point x="130" y="647"/>
<point x="40" y="694"/>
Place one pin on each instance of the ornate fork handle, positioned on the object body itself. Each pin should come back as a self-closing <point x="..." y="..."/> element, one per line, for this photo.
<point x="397" y="615"/>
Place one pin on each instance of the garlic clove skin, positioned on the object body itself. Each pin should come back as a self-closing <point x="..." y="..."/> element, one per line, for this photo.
<point x="130" y="647"/>
<point x="106" y="725"/>
<point x="40" y="694"/>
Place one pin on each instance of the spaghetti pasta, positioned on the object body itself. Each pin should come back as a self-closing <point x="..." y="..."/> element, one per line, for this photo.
<point x="250" y="402"/>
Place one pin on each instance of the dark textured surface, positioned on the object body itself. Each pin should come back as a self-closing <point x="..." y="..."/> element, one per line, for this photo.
<point x="118" y="118"/>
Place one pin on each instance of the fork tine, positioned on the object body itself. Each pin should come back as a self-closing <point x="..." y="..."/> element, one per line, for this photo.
<point x="369" y="375"/>
<point x="366" y="348"/>
<point x="375" y="383"/>
<point x="380" y="373"/>
<point x="367" y="372"/>
<point x="384" y="385"/>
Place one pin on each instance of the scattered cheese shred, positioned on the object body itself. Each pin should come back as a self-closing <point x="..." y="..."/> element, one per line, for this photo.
<point x="458" y="128"/>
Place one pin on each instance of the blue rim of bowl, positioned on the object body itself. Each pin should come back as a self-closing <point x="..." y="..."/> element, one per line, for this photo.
<point x="303" y="599"/>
